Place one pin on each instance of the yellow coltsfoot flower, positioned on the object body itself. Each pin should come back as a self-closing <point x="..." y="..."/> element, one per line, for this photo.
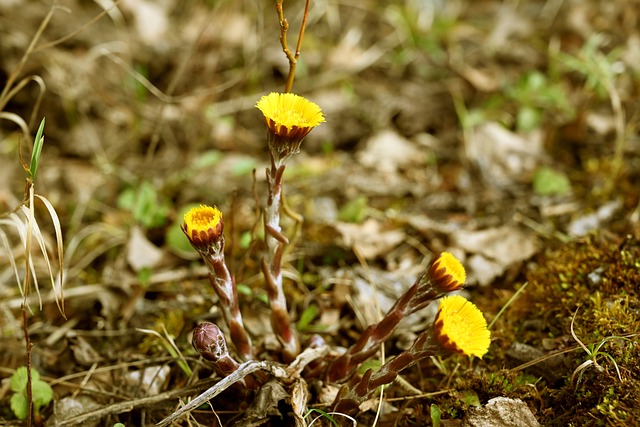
<point x="460" y="327"/>
<point x="446" y="273"/>
<point x="289" y="118"/>
<point x="203" y="226"/>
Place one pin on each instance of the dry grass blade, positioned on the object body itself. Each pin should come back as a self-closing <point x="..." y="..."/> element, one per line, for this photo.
<point x="7" y="246"/>
<point x="7" y="90"/>
<point x="17" y="120"/>
<point x="34" y="231"/>
<point x="17" y="222"/>
<point x="18" y="87"/>
<point x="113" y="237"/>
<point x="58" y="233"/>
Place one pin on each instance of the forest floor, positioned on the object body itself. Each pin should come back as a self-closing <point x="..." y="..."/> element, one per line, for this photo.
<point x="503" y="132"/>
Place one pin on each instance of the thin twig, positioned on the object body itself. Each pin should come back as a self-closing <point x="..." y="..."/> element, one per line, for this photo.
<point x="29" y="382"/>
<point x="292" y="57"/>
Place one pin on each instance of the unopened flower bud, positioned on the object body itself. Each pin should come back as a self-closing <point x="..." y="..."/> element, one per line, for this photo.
<point x="446" y="273"/>
<point x="209" y="342"/>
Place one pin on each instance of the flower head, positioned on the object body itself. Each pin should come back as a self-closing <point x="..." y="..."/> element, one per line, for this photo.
<point x="447" y="273"/>
<point x="209" y="341"/>
<point x="289" y="118"/>
<point x="203" y="226"/>
<point x="460" y="327"/>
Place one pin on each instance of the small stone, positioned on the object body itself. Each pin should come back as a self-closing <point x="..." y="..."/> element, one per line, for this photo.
<point x="501" y="412"/>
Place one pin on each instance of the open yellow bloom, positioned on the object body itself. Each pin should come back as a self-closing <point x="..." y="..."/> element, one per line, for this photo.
<point x="289" y="115"/>
<point x="289" y="118"/>
<point x="203" y="226"/>
<point x="447" y="273"/>
<point x="461" y="328"/>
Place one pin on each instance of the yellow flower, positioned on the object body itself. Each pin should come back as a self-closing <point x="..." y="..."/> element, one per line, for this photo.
<point x="447" y="273"/>
<point x="203" y="226"/>
<point x="461" y="328"/>
<point x="289" y="118"/>
<point x="288" y="114"/>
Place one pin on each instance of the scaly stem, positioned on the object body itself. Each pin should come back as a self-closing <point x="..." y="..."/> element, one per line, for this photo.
<point x="272" y="263"/>
<point x="225" y="288"/>
<point x="416" y="297"/>
<point x="352" y="395"/>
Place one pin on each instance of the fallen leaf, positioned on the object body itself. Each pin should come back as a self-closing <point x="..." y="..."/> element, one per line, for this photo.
<point x="141" y="253"/>
<point x="370" y="239"/>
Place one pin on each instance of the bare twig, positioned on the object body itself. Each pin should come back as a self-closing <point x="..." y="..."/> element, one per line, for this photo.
<point x="289" y="374"/>
<point x="284" y="27"/>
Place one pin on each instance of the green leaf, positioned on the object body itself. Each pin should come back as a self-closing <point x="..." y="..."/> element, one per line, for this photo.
<point x="208" y="159"/>
<point x="307" y="316"/>
<point x="435" y="415"/>
<point x="244" y="290"/>
<point x="42" y="394"/>
<point x="354" y="211"/>
<point x="550" y="182"/>
<point x="528" y="118"/>
<point x="148" y="207"/>
<point x="37" y="149"/>
<point x="20" y="406"/>
<point x="243" y="166"/>
<point x="324" y="414"/>
<point x="19" y="379"/>
<point x="470" y="398"/>
<point x="374" y="364"/>
<point x="245" y="239"/>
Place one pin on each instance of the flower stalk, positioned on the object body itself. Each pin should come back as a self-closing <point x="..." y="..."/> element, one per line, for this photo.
<point x="459" y="327"/>
<point x="444" y="274"/>
<point x="203" y="227"/>
<point x="289" y="119"/>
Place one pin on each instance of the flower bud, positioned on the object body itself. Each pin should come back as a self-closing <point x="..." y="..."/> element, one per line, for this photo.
<point x="446" y="273"/>
<point x="203" y="227"/>
<point x="209" y="342"/>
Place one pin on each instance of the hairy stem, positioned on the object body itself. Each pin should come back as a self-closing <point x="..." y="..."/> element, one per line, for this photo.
<point x="417" y="296"/>
<point x="225" y="287"/>
<point x="272" y="263"/>
<point x="352" y="395"/>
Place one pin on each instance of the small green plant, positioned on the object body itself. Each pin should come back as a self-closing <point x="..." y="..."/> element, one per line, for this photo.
<point x="535" y="95"/>
<point x="147" y="206"/>
<point x="328" y="416"/>
<point x="550" y="182"/>
<point x="41" y="393"/>
<point x="593" y="351"/>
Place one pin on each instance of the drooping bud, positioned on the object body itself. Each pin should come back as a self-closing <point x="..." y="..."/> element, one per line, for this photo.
<point x="446" y="273"/>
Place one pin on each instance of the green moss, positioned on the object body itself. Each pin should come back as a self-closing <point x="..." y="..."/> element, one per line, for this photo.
<point x="596" y="280"/>
<point x="599" y="274"/>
